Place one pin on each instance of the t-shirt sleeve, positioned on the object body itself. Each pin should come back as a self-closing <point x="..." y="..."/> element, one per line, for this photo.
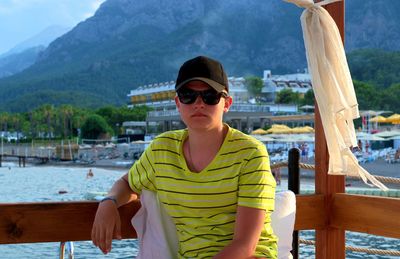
<point x="256" y="183"/>
<point x="142" y="173"/>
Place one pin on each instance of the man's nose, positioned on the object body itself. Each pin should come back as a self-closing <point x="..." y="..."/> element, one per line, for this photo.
<point x="199" y="101"/>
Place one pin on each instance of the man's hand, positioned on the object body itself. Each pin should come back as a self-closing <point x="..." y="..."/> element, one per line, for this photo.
<point x="106" y="225"/>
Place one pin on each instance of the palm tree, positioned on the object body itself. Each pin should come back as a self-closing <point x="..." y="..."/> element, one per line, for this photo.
<point x="4" y="119"/>
<point x="67" y="113"/>
<point x="48" y="112"/>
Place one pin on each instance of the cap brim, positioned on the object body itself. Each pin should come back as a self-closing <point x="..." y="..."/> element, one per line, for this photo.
<point x="217" y="86"/>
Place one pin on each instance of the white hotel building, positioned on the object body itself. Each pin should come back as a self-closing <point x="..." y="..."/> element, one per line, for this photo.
<point x="245" y="114"/>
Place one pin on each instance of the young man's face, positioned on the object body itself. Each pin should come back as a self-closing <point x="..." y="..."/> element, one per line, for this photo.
<point x="199" y="115"/>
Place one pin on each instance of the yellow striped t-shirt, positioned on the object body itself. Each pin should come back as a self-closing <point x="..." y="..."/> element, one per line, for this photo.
<point x="203" y="205"/>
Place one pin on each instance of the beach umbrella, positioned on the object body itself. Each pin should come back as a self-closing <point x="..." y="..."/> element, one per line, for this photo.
<point x="279" y="129"/>
<point x="385" y="134"/>
<point x="307" y="107"/>
<point x="109" y="145"/>
<point x="264" y="138"/>
<point x="379" y="119"/>
<point x="137" y="141"/>
<point x="302" y="138"/>
<point x="305" y="129"/>
<point x="393" y="118"/>
<point x="362" y="134"/>
<point x="394" y="137"/>
<point x="258" y="132"/>
<point x="86" y="146"/>
<point x="371" y="137"/>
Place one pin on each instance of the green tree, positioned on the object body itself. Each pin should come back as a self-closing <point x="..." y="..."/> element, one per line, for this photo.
<point x="4" y="121"/>
<point x="308" y="98"/>
<point x="367" y="96"/>
<point x="375" y="66"/>
<point x="48" y="113"/>
<point x="287" y="96"/>
<point x="115" y="116"/>
<point x="66" y="112"/>
<point x="254" y="85"/>
<point x="79" y="117"/>
<point x="391" y="98"/>
<point x="95" y="127"/>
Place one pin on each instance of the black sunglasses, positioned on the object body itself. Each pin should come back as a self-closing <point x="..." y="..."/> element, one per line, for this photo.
<point x="209" y="97"/>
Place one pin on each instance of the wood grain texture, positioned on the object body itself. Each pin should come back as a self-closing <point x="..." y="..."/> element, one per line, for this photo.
<point x="330" y="242"/>
<point x="55" y="221"/>
<point x="366" y="214"/>
<point x="310" y="212"/>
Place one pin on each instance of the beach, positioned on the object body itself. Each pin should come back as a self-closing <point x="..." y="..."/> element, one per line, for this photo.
<point x="122" y="157"/>
<point x="378" y="167"/>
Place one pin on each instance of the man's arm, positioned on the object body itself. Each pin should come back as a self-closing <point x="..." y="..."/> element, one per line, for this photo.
<point x="107" y="223"/>
<point x="248" y="226"/>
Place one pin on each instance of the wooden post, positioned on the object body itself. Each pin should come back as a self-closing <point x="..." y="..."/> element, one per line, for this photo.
<point x="294" y="186"/>
<point x="330" y="242"/>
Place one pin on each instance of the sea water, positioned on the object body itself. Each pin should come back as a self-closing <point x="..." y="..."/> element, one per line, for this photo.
<point x="38" y="184"/>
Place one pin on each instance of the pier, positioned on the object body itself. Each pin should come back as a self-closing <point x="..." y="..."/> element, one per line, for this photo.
<point x="22" y="159"/>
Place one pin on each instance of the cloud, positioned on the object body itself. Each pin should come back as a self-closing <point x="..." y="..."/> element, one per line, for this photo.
<point x="94" y="5"/>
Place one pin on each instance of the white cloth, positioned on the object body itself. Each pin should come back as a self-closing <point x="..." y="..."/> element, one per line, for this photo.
<point x="157" y="232"/>
<point x="333" y="89"/>
<point x="282" y="221"/>
<point x="155" y="229"/>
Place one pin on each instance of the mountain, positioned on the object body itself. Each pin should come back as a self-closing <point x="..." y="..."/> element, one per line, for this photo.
<point x="24" y="54"/>
<point x="14" y="63"/>
<point x="43" y="39"/>
<point x="372" y="24"/>
<point x="130" y="43"/>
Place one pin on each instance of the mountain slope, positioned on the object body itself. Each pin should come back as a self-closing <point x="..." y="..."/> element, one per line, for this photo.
<point x="130" y="43"/>
<point x="15" y="63"/>
<point x="43" y="38"/>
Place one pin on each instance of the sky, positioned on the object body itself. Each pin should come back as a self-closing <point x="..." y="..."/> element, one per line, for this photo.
<point x="22" y="19"/>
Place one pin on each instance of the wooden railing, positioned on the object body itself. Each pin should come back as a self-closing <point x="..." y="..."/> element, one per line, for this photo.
<point x="72" y="221"/>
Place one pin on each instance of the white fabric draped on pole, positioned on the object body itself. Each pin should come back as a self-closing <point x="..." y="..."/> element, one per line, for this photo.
<point x="333" y="88"/>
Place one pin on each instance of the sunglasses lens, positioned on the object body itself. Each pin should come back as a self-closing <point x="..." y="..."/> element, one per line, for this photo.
<point x="209" y="97"/>
<point x="187" y="97"/>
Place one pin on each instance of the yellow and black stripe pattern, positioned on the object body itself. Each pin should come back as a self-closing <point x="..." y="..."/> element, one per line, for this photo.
<point x="203" y="205"/>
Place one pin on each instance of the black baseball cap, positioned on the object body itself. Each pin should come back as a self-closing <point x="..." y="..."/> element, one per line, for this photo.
<point x="203" y="69"/>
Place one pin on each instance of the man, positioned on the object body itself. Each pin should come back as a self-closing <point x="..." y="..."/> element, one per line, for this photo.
<point x="214" y="181"/>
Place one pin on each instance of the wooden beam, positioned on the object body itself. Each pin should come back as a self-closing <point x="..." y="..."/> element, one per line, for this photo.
<point x="55" y="221"/>
<point x="310" y="212"/>
<point x="330" y="242"/>
<point x="366" y="214"/>
<point x="72" y="221"/>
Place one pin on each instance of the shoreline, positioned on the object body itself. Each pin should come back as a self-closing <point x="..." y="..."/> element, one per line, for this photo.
<point x="379" y="167"/>
<point x="104" y="164"/>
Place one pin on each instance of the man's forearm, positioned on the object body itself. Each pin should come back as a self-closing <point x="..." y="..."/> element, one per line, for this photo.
<point x="121" y="191"/>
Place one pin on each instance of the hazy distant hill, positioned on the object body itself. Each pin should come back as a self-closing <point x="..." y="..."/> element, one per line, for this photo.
<point x="130" y="43"/>
<point x="14" y="63"/>
<point x="43" y="38"/>
<point x="24" y="54"/>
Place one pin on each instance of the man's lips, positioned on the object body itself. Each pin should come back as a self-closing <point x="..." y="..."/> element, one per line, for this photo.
<point x="198" y="114"/>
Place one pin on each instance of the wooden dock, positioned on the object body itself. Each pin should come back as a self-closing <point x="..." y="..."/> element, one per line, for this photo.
<point x="22" y="159"/>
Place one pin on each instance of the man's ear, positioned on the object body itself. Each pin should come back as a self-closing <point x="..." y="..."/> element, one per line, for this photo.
<point x="177" y="103"/>
<point x="228" y="103"/>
